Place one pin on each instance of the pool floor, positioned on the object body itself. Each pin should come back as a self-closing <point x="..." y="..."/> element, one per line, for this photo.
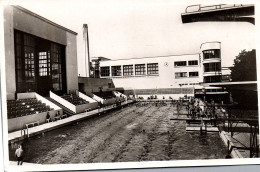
<point x="125" y="135"/>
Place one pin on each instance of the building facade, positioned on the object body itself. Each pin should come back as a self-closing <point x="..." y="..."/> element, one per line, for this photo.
<point x="40" y="55"/>
<point x="174" y="71"/>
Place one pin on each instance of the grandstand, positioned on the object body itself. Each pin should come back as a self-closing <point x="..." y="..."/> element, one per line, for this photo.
<point x="23" y="107"/>
<point x="74" y="99"/>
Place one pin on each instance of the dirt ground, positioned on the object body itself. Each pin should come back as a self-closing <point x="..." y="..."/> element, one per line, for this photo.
<point x="128" y="134"/>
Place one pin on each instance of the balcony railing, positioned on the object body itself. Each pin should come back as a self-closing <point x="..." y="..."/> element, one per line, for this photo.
<point x="197" y="8"/>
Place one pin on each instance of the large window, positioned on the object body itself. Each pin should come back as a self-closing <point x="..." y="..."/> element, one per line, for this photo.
<point x="209" y="79"/>
<point x="193" y="74"/>
<point x="180" y="63"/>
<point x="152" y="68"/>
<point x="140" y="69"/>
<point x="128" y="70"/>
<point x="116" y="70"/>
<point x="38" y="61"/>
<point x="56" y="67"/>
<point x="180" y="74"/>
<point x="193" y="62"/>
<point x="105" y="71"/>
<point x="25" y="62"/>
<point x="212" y="67"/>
<point x="208" y="54"/>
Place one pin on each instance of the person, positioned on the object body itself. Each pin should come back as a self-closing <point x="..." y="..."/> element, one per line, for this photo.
<point x="19" y="155"/>
<point x="48" y="117"/>
<point x="57" y="116"/>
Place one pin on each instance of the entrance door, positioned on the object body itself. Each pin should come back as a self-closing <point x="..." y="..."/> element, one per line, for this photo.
<point x="44" y="73"/>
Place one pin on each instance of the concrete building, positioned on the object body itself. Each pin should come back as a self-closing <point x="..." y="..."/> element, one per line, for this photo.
<point x="40" y="54"/>
<point x="175" y="74"/>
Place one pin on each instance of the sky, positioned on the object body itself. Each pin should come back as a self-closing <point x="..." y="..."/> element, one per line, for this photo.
<point x="141" y="28"/>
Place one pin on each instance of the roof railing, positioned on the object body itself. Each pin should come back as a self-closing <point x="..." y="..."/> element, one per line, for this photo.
<point x="198" y="7"/>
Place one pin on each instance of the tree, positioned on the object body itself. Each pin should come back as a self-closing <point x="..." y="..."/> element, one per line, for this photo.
<point x="244" y="66"/>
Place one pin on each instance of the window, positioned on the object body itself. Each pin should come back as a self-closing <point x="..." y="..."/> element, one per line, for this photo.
<point x="180" y="74"/>
<point x="25" y="62"/>
<point x="116" y="70"/>
<point x="152" y="68"/>
<point x="193" y="62"/>
<point x="212" y="67"/>
<point x="193" y="74"/>
<point x="105" y="71"/>
<point x="44" y="63"/>
<point x="208" y="54"/>
<point x="56" y="67"/>
<point x="128" y="70"/>
<point x="29" y="53"/>
<point x="140" y="69"/>
<point x="180" y="63"/>
<point x="209" y="79"/>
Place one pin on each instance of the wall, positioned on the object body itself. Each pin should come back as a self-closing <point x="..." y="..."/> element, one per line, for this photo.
<point x="27" y="22"/>
<point x="63" y="102"/>
<point x="99" y="99"/>
<point x="71" y="62"/>
<point x="9" y="53"/>
<point x="165" y="78"/>
<point x="15" y="124"/>
<point x="93" y="84"/>
<point x="85" y="97"/>
<point x="26" y="95"/>
<point x="109" y="101"/>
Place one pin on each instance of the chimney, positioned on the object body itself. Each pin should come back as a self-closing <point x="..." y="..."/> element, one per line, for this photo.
<point x="86" y="43"/>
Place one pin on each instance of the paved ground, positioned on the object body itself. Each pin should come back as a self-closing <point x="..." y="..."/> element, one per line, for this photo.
<point x="129" y="134"/>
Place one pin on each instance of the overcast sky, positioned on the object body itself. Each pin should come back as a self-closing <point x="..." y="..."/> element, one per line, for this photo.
<point x="141" y="28"/>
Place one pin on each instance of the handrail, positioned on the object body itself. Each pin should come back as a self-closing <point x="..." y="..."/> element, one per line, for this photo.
<point x="219" y="6"/>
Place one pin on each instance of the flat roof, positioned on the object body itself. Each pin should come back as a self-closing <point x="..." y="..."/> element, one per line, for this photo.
<point x="154" y="57"/>
<point x="44" y="19"/>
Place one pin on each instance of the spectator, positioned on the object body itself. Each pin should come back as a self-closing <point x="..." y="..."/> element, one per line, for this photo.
<point x="19" y="155"/>
<point x="48" y="117"/>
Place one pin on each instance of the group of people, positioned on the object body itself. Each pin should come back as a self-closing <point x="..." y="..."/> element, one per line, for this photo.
<point x="56" y="117"/>
<point x="197" y="108"/>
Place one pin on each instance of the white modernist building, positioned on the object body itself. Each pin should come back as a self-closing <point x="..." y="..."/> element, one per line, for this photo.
<point x="174" y="74"/>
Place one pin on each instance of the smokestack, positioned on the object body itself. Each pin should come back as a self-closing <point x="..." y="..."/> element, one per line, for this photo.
<point x="86" y="41"/>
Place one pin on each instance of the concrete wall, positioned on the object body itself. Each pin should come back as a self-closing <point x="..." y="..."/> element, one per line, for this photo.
<point x="63" y="102"/>
<point x="71" y="62"/>
<point x="9" y="53"/>
<point x="93" y="84"/>
<point x="26" y="22"/>
<point x="15" y="124"/>
<point x="109" y="101"/>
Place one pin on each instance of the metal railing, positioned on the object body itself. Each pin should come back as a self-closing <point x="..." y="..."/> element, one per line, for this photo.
<point x="198" y="7"/>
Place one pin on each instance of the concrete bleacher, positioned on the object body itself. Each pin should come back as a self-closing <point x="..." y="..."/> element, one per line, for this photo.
<point x="29" y="109"/>
<point x="75" y="102"/>
<point x="23" y="107"/>
<point x="74" y="99"/>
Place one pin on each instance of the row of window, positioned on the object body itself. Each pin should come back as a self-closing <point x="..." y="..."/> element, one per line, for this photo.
<point x="208" y="54"/>
<point x="184" y="63"/>
<point x="128" y="70"/>
<point x="212" y="67"/>
<point x="184" y="74"/>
